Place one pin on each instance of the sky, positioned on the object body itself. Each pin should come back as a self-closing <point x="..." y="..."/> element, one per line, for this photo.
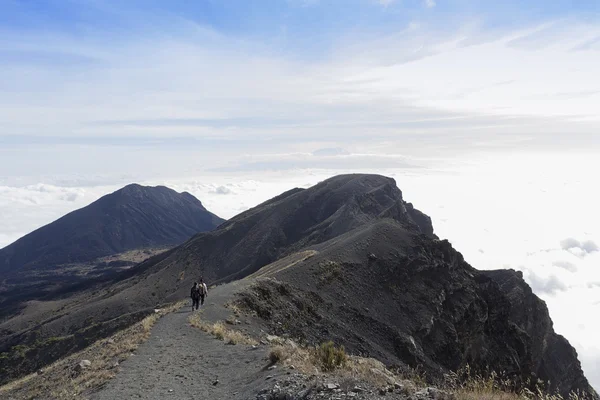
<point x="485" y="113"/>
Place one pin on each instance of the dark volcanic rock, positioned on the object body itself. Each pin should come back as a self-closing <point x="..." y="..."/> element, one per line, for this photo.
<point x="294" y="220"/>
<point x="372" y="276"/>
<point x="130" y="218"/>
<point x="417" y="304"/>
<point x="291" y="221"/>
<point x="551" y="354"/>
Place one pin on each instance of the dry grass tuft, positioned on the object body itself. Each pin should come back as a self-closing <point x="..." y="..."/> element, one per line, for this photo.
<point x="277" y="354"/>
<point x="466" y="395"/>
<point x="329" y="271"/>
<point x="235" y="309"/>
<point x="331" y="357"/>
<point x="333" y="361"/>
<point x="62" y="380"/>
<point x="468" y="386"/>
<point x="221" y="332"/>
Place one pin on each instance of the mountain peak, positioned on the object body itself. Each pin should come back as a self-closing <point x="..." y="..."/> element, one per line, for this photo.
<point x="136" y="188"/>
<point x="134" y="216"/>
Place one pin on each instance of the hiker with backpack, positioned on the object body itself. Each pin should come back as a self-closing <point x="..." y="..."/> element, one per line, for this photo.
<point x="203" y="291"/>
<point x="195" y="295"/>
<point x="198" y="294"/>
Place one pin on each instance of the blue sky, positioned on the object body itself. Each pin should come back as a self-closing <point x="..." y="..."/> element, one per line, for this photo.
<point x="494" y="102"/>
<point x="309" y="54"/>
<point x="303" y="27"/>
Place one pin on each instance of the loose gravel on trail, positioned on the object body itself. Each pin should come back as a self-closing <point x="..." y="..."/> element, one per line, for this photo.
<point x="181" y="362"/>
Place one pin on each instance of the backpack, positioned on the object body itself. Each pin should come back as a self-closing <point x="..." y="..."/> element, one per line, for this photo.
<point x="196" y="292"/>
<point x="202" y="289"/>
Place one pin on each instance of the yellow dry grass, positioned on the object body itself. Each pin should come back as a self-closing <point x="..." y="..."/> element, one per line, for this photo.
<point x="221" y="331"/>
<point x="235" y="309"/>
<point x="313" y="360"/>
<point x="495" y="387"/>
<point x="61" y="380"/>
<point x="492" y="393"/>
<point x="309" y="361"/>
<point x="466" y="395"/>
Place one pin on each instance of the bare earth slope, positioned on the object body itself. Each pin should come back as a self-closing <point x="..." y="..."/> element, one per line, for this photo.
<point x="287" y="223"/>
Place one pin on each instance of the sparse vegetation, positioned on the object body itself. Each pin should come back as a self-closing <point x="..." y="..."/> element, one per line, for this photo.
<point x="277" y="354"/>
<point x="221" y="332"/>
<point x="62" y="379"/>
<point x="331" y="357"/>
<point x="493" y="386"/>
<point x="235" y="309"/>
<point x="331" y="360"/>
<point x="329" y="271"/>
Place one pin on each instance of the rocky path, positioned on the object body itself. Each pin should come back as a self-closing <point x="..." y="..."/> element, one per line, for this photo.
<point x="181" y="362"/>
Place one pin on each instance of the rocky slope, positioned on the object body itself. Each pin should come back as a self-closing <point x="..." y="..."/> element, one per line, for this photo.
<point x="238" y="247"/>
<point x="371" y="275"/>
<point x="75" y="248"/>
<point x="290" y="222"/>
<point x="54" y="271"/>
<point x="389" y="292"/>
<point x="550" y="355"/>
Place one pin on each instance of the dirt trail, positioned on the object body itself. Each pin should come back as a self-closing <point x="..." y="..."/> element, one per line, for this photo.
<point x="182" y="362"/>
<point x="179" y="361"/>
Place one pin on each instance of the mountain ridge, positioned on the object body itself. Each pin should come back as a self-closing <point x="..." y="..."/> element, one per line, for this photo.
<point x="414" y="303"/>
<point x="134" y="216"/>
<point x="378" y="281"/>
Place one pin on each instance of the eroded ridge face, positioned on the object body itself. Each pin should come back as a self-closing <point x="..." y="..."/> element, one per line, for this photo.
<point x="388" y="292"/>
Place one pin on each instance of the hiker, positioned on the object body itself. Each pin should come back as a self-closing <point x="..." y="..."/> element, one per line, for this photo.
<point x="195" y="295"/>
<point x="203" y="291"/>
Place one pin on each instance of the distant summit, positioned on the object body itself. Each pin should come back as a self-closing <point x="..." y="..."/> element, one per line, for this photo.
<point x="296" y="219"/>
<point x="133" y="217"/>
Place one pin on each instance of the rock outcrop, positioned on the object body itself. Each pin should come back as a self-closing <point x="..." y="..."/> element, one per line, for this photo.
<point x="550" y="356"/>
<point x="387" y="290"/>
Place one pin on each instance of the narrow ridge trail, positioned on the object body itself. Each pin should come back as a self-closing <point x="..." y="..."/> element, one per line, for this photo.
<point x="179" y="361"/>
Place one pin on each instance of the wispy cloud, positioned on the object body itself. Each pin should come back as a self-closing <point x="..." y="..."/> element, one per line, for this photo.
<point x="195" y="81"/>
